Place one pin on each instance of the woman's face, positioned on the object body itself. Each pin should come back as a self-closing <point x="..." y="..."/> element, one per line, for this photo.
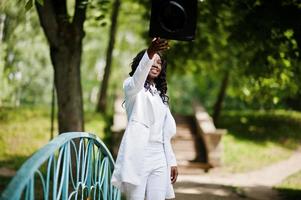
<point x="156" y="68"/>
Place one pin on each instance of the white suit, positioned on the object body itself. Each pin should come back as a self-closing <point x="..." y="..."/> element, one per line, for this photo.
<point x="129" y="162"/>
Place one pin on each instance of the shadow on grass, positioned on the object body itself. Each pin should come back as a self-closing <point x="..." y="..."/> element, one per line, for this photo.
<point x="203" y="191"/>
<point x="289" y="194"/>
<point x="14" y="162"/>
<point x="4" y="181"/>
<point x="281" y="127"/>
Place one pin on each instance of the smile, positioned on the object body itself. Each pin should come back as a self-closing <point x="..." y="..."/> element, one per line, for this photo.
<point x="155" y="71"/>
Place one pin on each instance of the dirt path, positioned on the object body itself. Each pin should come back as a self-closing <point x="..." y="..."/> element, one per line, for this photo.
<point x="6" y="172"/>
<point x="257" y="185"/>
<point x="194" y="184"/>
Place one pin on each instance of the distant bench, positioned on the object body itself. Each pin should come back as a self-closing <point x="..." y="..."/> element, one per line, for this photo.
<point x="209" y="136"/>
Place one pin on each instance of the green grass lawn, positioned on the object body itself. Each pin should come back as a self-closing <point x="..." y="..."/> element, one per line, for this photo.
<point x="290" y="188"/>
<point x="256" y="139"/>
<point x="25" y="130"/>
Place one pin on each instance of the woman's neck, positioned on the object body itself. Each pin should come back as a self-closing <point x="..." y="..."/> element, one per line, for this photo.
<point x="150" y="81"/>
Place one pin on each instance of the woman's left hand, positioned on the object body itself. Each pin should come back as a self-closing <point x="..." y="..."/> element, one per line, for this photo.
<point x="173" y="174"/>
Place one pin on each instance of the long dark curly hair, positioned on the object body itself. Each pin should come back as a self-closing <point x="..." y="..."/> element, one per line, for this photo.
<point x="160" y="81"/>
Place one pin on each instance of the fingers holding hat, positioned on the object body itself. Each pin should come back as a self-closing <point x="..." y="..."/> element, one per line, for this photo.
<point x="157" y="45"/>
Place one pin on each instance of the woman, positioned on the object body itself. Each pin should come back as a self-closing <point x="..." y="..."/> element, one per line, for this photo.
<point x="146" y="165"/>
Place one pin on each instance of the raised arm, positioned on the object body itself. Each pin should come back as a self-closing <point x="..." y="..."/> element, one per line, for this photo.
<point x="134" y="84"/>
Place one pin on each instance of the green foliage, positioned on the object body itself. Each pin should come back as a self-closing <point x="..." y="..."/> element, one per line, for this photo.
<point x="95" y="123"/>
<point x="290" y="188"/>
<point x="19" y="138"/>
<point x="25" y="75"/>
<point x="259" y="138"/>
<point x="246" y="155"/>
<point x="183" y="89"/>
<point x="263" y="64"/>
<point x="98" y="13"/>
<point x="271" y="47"/>
<point x="29" y="4"/>
<point x="257" y="41"/>
<point x="255" y="125"/>
<point x="128" y="43"/>
<point x="25" y="130"/>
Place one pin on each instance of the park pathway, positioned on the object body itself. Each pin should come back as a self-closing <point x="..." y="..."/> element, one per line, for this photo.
<point x="194" y="184"/>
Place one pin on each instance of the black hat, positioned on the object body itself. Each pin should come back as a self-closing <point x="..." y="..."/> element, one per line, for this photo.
<point x="173" y="19"/>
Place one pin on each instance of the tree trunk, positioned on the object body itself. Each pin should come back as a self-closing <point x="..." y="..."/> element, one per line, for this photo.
<point x="102" y="99"/>
<point x="69" y="92"/>
<point x="220" y="98"/>
<point x="2" y="20"/>
<point x="65" y="41"/>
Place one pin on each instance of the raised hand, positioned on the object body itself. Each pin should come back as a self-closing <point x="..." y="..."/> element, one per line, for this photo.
<point x="157" y="45"/>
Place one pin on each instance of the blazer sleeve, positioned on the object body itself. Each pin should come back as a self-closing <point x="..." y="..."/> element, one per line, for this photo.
<point x="170" y="131"/>
<point x="171" y="158"/>
<point x="134" y="84"/>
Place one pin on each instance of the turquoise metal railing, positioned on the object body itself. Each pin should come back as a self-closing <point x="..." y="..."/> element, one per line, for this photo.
<point x="74" y="165"/>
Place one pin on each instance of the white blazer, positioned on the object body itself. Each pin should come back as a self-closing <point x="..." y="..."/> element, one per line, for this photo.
<point x="129" y="162"/>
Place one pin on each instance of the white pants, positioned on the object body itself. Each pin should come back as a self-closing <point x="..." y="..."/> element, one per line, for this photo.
<point x="154" y="176"/>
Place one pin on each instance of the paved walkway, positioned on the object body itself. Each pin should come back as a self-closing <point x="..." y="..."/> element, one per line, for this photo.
<point x="252" y="185"/>
<point x="194" y="184"/>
